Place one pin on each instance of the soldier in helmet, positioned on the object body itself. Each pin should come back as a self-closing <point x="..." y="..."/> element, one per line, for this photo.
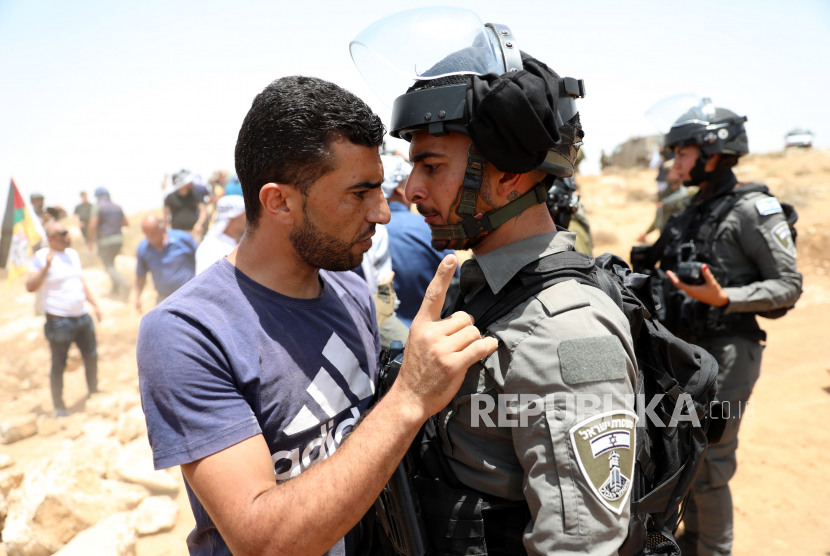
<point x="729" y="257"/>
<point x="490" y="129"/>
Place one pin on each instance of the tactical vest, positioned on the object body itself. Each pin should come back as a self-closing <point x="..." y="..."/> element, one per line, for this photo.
<point x="690" y="319"/>
<point x="460" y="520"/>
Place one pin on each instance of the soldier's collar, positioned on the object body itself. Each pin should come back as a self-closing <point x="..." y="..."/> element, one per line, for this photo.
<point x="502" y="264"/>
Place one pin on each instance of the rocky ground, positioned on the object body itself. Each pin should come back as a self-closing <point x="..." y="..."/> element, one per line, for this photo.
<point x="86" y="485"/>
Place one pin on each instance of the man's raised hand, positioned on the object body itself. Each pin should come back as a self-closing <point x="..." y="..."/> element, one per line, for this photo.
<point x="439" y="351"/>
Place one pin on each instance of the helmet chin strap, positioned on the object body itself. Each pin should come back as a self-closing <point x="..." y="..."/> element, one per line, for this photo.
<point x="471" y="217"/>
<point x="698" y="173"/>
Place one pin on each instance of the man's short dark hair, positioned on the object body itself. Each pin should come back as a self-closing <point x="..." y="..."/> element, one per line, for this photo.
<point x="287" y="134"/>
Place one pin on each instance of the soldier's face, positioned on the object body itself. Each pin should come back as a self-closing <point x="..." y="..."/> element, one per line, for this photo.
<point x="685" y="158"/>
<point x="439" y="164"/>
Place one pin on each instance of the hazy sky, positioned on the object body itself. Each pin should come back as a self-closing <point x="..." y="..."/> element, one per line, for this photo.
<point x="120" y="93"/>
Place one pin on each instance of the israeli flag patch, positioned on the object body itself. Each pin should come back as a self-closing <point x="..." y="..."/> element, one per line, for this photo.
<point x="768" y="206"/>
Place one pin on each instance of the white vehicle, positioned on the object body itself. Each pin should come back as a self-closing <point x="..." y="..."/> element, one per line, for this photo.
<point x="799" y="138"/>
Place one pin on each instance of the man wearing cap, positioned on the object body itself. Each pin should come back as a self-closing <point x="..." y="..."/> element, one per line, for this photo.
<point x="225" y="234"/>
<point x="105" y="223"/>
<point x="183" y="208"/>
<point x="56" y="271"/>
<point x="170" y="255"/>
<point x="414" y="261"/>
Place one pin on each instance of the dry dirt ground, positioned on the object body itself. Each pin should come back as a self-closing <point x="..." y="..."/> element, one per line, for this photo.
<point x="781" y="490"/>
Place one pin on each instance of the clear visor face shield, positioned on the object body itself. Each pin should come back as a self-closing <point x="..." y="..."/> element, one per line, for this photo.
<point x="681" y="110"/>
<point x="396" y="51"/>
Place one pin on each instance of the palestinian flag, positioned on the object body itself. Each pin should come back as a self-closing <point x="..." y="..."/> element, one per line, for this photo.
<point x="20" y="234"/>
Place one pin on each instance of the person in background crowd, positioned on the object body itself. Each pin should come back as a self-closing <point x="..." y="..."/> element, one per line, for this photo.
<point x="376" y="269"/>
<point x="233" y="187"/>
<point x="183" y="208"/>
<point x="37" y="204"/>
<point x="105" y="223"/>
<point x="225" y="234"/>
<point x="410" y="241"/>
<point x="82" y="214"/>
<point x="219" y="181"/>
<point x="672" y="196"/>
<point x="170" y="255"/>
<point x="57" y="271"/>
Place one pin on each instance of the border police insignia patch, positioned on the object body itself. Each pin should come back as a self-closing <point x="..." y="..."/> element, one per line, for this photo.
<point x="604" y="446"/>
<point x="783" y="237"/>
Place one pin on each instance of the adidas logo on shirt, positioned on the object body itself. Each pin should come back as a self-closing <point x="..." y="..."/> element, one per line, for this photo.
<point x="328" y="395"/>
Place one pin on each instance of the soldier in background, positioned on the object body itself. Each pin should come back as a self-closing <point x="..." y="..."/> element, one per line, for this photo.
<point x="728" y="257"/>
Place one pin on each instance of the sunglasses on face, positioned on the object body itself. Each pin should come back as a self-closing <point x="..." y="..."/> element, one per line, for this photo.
<point x="64" y="233"/>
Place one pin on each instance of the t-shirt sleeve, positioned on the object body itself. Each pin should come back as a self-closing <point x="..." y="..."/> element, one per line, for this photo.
<point x="38" y="261"/>
<point x="189" y="393"/>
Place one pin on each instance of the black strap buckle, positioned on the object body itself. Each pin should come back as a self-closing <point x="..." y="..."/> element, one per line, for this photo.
<point x="476" y="225"/>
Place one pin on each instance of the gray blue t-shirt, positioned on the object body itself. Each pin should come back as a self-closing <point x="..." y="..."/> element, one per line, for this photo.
<point x="224" y="359"/>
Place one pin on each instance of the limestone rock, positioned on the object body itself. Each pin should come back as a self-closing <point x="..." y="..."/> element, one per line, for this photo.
<point x="10" y="480"/>
<point x="111" y="405"/>
<point x="134" y="464"/>
<point x="155" y="514"/>
<point x="98" y="428"/>
<point x="61" y="496"/>
<point x="6" y="461"/>
<point x="47" y="426"/>
<point x="114" y="536"/>
<point x="18" y="428"/>
<point x="131" y="425"/>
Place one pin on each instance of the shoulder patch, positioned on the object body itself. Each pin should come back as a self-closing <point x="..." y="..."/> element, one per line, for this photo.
<point x="767" y="206"/>
<point x="783" y="238"/>
<point x="591" y="359"/>
<point x="563" y="297"/>
<point x="604" y="447"/>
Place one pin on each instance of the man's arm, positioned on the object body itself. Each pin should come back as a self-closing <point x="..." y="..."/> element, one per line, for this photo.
<point x="140" y="281"/>
<point x="36" y="277"/>
<point x="200" y="223"/>
<point x="309" y="514"/>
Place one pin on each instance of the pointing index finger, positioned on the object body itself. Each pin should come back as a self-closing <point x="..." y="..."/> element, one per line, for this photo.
<point x="437" y="291"/>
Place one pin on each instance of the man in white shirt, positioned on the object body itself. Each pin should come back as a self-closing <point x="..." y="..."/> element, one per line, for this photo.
<point x="225" y="234"/>
<point x="57" y="269"/>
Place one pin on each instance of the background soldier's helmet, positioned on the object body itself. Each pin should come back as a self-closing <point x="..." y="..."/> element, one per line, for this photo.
<point x="695" y="121"/>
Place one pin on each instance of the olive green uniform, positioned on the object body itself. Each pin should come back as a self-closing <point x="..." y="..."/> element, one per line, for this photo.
<point x="569" y="339"/>
<point x="759" y="257"/>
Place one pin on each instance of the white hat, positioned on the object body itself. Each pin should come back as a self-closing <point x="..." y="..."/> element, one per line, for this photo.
<point x="180" y="179"/>
<point x="395" y="170"/>
<point x="227" y="208"/>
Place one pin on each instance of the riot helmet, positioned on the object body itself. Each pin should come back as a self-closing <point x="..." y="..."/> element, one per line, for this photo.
<point x="468" y="77"/>
<point x="691" y="120"/>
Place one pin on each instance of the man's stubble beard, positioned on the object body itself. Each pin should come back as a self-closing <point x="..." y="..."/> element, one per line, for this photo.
<point x="320" y="249"/>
